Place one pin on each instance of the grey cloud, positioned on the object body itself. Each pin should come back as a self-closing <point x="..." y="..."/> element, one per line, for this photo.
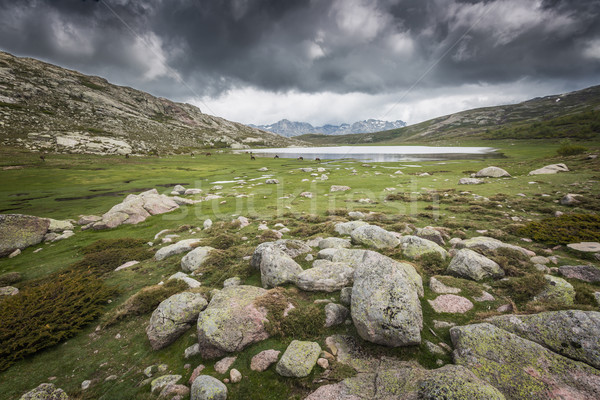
<point x="310" y="46"/>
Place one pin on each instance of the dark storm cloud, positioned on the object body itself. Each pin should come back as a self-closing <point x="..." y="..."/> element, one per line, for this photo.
<point x="310" y="46"/>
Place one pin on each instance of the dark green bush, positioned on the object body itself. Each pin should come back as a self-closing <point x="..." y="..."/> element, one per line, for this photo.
<point x="47" y="312"/>
<point x="523" y="288"/>
<point x="568" y="149"/>
<point x="433" y="263"/>
<point x="223" y="241"/>
<point x="223" y="264"/>
<point x="568" y="228"/>
<point x="512" y="262"/>
<point x="107" y="260"/>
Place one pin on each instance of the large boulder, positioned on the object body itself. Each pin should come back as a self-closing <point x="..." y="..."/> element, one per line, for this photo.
<point x="195" y="258"/>
<point x="57" y="225"/>
<point x="19" y="231"/>
<point x="346" y="228"/>
<point x="173" y="317"/>
<point x="350" y="257"/>
<point x="232" y="321"/>
<point x="334" y="243"/>
<point x="557" y="290"/>
<point x="414" y="247"/>
<point x="470" y="181"/>
<point x="585" y="247"/>
<point x="520" y="368"/>
<point x="291" y="247"/>
<point x="46" y="391"/>
<point x="326" y="277"/>
<point x="571" y="333"/>
<point x="550" y="169"/>
<point x="487" y="244"/>
<point x="491" y="172"/>
<point x="374" y="236"/>
<point x="298" y="359"/>
<point x="177" y="248"/>
<point x="586" y="273"/>
<point x="469" y="264"/>
<point x="451" y="303"/>
<point x="276" y="267"/>
<point x="431" y="233"/>
<point x="454" y="382"/>
<point x="385" y="301"/>
<point x="205" y="387"/>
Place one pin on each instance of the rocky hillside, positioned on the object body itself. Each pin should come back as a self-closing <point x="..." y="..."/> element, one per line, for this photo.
<point x="47" y="108"/>
<point x="571" y="115"/>
<point x="291" y="128"/>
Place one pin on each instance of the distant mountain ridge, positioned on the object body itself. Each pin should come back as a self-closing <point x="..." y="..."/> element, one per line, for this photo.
<point x="289" y="128"/>
<point x="44" y="107"/>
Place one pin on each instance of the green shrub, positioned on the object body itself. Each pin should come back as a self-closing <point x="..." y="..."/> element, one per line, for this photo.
<point x="107" y="260"/>
<point x="523" y="288"/>
<point x="568" y="228"/>
<point x="568" y="149"/>
<point x="48" y="311"/>
<point x="512" y="262"/>
<point x="433" y="263"/>
<point x="144" y="301"/>
<point x="223" y="241"/>
<point x="9" y="278"/>
<point x="224" y="264"/>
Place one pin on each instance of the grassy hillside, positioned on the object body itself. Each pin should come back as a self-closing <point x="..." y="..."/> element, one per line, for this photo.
<point x="573" y="115"/>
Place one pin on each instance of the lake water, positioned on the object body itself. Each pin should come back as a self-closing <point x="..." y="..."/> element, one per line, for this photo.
<point x="381" y="153"/>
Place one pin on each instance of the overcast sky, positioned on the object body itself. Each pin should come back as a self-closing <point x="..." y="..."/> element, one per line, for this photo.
<point x="318" y="61"/>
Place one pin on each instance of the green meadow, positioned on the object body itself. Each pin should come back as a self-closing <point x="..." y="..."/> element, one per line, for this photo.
<point x="65" y="186"/>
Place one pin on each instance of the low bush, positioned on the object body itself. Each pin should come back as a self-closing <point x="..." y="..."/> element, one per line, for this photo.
<point x="144" y="301"/>
<point x="523" y="288"/>
<point x="48" y="311"/>
<point x="568" y="228"/>
<point x="512" y="262"/>
<point x="105" y="261"/>
<point x="568" y="149"/>
<point x="223" y="264"/>
<point x="433" y="263"/>
<point x="223" y="241"/>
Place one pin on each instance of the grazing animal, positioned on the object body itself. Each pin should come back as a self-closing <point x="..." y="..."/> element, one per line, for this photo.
<point x="318" y="159"/>
<point x="127" y="155"/>
<point x="276" y="156"/>
<point x="300" y="158"/>
<point x="208" y="154"/>
<point x="192" y="154"/>
<point x="43" y="157"/>
<point x="252" y="157"/>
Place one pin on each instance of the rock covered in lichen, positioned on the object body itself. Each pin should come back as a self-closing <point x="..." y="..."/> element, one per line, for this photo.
<point x="454" y="382"/>
<point x="469" y="264"/>
<point x="298" y="359"/>
<point x="374" y="236"/>
<point x="232" y="321"/>
<point x="572" y="333"/>
<point x="173" y="317"/>
<point x="45" y="391"/>
<point x="205" y="387"/>
<point x="520" y="368"/>
<point x="557" y="290"/>
<point x="19" y="231"/>
<point x="414" y="247"/>
<point x="385" y="301"/>
<point x="326" y="277"/>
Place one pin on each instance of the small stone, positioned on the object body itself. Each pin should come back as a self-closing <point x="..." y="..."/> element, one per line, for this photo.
<point x="299" y="359"/>
<point x="450" y="303"/>
<point x="434" y="348"/>
<point x="207" y="223"/>
<point x="206" y="387"/>
<point x="85" y="384"/>
<point x="192" y="351"/>
<point x="442" y="324"/>
<point x="335" y="314"/>
<point x="485" y="296"/>
<point x="224" y="364"/>
<point x="196" y="373"/>
<point x="263" y="360"/>
<point x="111" y="378"/>
<point x="14" y="253"/>
<point x="309" y="257"/>
<point x="505" y="308"/>
<point x="151" y="370"/>
<point x="235" y="376"/>
<point x="346" y="296"/>
<point x="323" y="363"/>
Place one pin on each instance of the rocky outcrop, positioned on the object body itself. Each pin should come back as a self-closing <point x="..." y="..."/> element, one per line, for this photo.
<point x="550" y="169"/>
<point x="491" y="172"/>
<point x="470" y="181"/>
<point x="520" y="368"/>
<point x="350" y="257"/>
<point x="334" y="243"/>
<point x="276" y="267"/>
<point x="298" y="359"/>
<point x="385" y="301"/>
<point x="46" y="391"/>
<point x="173" y="317"/>
<point x="487" y="244"/>
<point x="557" y="290"/>
<point x="326" y="277"/>
<point x="291" y="247"/>
<point x="205" y="387"/>
<point x="433" y="234"/>
<point x="136" y="208"/>
<point x="346" y="228"/>
<point x="586" y="273"/>
<point x="19" y="231"/>
<point x="374" y="236"/>
<point x="195" y="258"/>
<point x="469" y="264"/>
<point x="177" y="248"/>
<point x="414" y="247"/>
<point x="231" y="321"/>
<point x="571" y="333"/>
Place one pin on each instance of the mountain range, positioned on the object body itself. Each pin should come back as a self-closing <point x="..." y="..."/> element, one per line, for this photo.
<point x="289" y="128"/>
<point x="44" y="107"/>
